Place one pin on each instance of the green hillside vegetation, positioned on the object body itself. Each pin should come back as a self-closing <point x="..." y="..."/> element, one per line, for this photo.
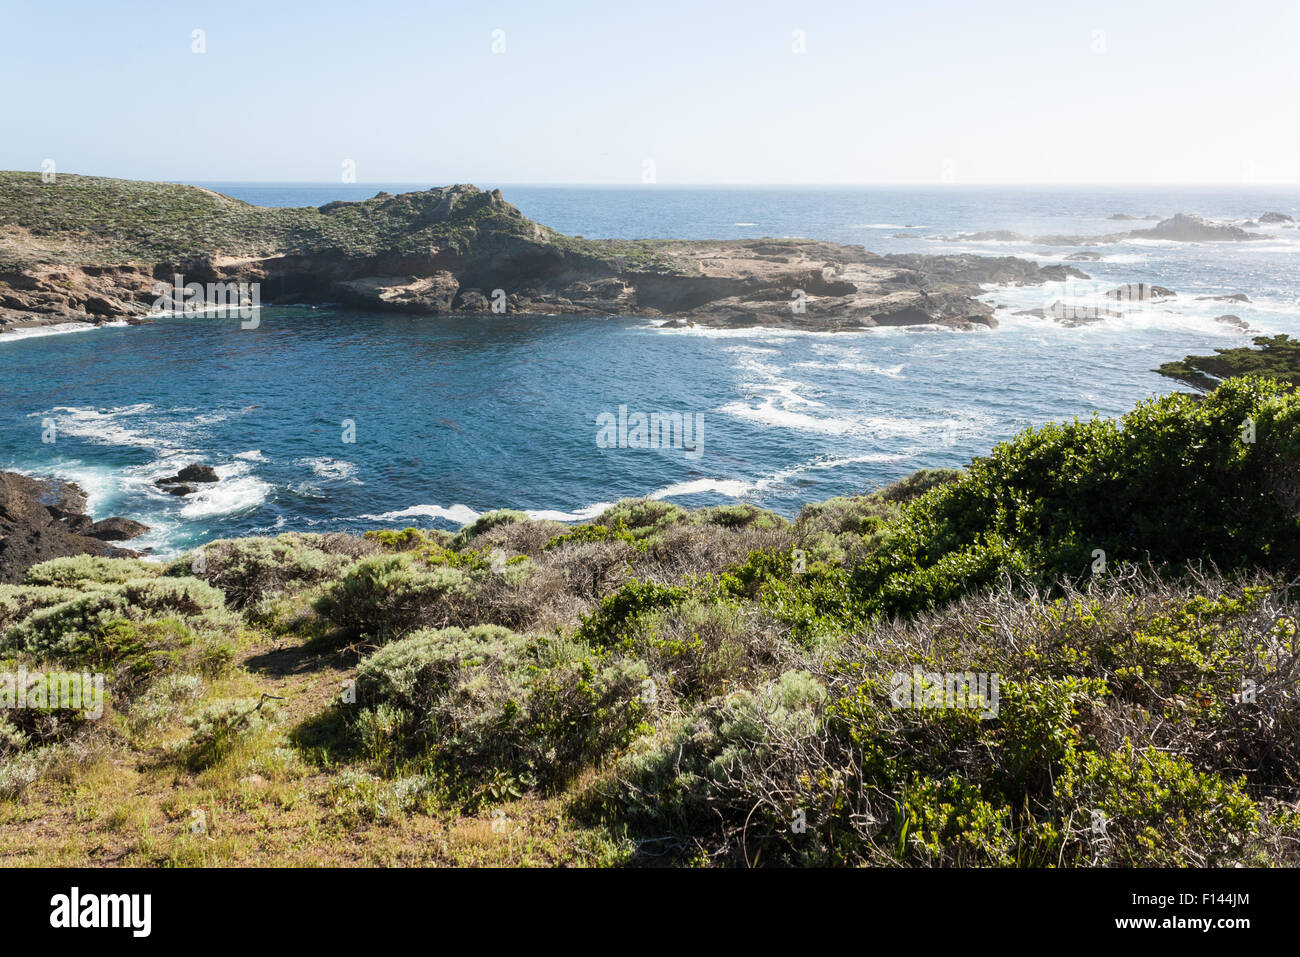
<point x="99" y="221"/>
<point x="1276" y="356"/>
<point x="710" y="687"/>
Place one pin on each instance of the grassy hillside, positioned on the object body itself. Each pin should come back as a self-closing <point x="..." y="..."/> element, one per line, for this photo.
<point x="713" y="686"/>
<point x="79" y="220"/>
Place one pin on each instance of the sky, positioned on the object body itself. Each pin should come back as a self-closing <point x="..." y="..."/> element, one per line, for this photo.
<point x="662" y="92"/>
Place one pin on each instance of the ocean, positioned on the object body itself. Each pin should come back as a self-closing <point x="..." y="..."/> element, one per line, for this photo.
<point x="453" y="417"/>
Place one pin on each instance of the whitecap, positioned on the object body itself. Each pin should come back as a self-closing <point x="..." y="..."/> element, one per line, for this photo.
<point x="236" y="491"/>
<point x="461" y="514"/>
<point x="329" y="468"/>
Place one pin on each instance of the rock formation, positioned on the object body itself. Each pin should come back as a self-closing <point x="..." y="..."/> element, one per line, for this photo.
<point x="42" y="519"/>
<point x="95" y="250"/>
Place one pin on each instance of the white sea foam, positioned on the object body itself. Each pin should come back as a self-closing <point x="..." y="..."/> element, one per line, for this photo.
<point x="57" y="329"/>
<point x="461" y="514"/>
<point x="893" y="372"/>
<point x="104" y="426"/>
<point x="329" y="468"/>
<point x="237" y="491"/>
<point x="762" y="333"/>
<point x="741" y="488"/>
<point x="584" y="514"/>
<point x="734" y="488"/>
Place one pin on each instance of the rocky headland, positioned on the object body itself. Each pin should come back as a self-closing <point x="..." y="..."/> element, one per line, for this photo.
<point x="91" y="249"/>
<point x="45" y="518"/>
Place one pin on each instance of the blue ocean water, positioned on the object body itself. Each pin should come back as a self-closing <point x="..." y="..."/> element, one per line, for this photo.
<point x="456" y="416"/>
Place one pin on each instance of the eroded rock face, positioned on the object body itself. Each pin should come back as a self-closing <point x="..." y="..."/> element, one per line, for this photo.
<point x="41" y="519"/>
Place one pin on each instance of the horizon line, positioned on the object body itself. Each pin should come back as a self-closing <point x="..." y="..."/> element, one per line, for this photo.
<point x="653" y="186"/>
<point x="1217" y="184"/>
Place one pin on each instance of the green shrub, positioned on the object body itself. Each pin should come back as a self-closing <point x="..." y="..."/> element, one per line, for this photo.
<point x="19" y="601"/>
<point x="610" y="625"/>
<point x="385" y="596"/>
<point x="741" y="515"/>
<point x="76" y="630"/>
<point x="1159" y="810"/>
<point x="700" y="648"/>
<point x="1172" y="482"/>
<point x="485" y="523"/>
<point x="248" y="569"/>
<point x="222" y="724"/>
<point x="693" y="780"/>
<point x="642" y="516"/>
<point x="486" y="701"/>
<point x="79" y="570"/>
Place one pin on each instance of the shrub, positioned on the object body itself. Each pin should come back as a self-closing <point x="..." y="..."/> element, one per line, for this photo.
<point x="104" y="626"/>
<point x="222" y="724"/>
<point x="1159" y="811"/>
<point x="487" y="700"/>
<point x="408" y="539"/>
<point x="248" y="569"/>
<point x="19" y="601"/>
<point x="17" y="774"/>
<point x="388" y="595"/>
<point x="611" y="624"/>
<point x="700" y="648"/>
<point x="693" y="780"/>
<point x="741" y="515"/>
<point x="485" y="523"/>
<point x="1126" y="698"/>
<point x="79" y="570"/>
<point x="642" y="516"/>
<point x="1171" y="482"/>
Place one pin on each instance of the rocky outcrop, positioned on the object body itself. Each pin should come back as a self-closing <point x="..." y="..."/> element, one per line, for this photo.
<point x="1237" y="321"/>
<point x="454" y="249"/>
<point x="1190" y="228"/>
<point x="116" y="529"/>
<point x="179" y="484"/>
<point x="42" y="519"/>
<point x="1140" y="292"/>
<point x="1183" y="228"/>
<point x="1276" y="218"/>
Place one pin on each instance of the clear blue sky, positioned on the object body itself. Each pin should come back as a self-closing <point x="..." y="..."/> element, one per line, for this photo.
<point x="999" y="91"/>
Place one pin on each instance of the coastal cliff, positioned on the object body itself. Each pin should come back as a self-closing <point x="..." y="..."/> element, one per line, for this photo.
<point x="91" y="249"/>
